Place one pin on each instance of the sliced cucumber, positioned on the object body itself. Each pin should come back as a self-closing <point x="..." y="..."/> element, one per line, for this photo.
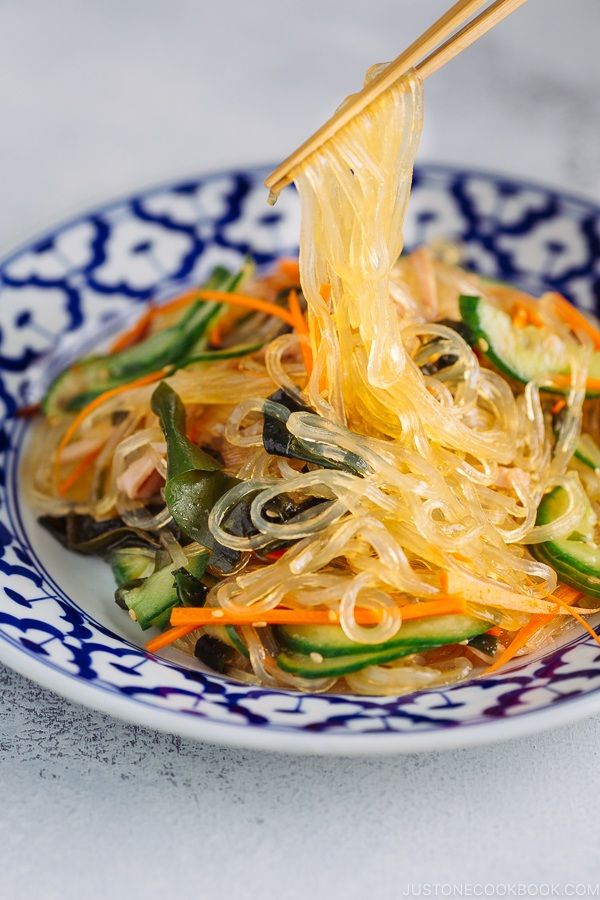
<point x="131" y="563"/>
<point x="318" y="666"/>
<point x="525" y="354"/>
<point x="216" y="355"/>
<point x="93" y="375"/>
<point x="555" y="504"/>
<point x="587" y="451"/>
<point x="228" y="635"/>
<point x="576" y="559"/>
<point x="149" y="598"/>
<point x="330" y="640"/>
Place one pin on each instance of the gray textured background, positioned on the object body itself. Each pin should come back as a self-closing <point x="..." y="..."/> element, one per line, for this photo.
<point x="100" y="97"/>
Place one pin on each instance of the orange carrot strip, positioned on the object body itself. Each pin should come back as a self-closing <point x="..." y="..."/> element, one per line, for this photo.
<point x="243" y="300"/>
<point x="494" y="631"/>
<point x="579" y="618"/>
<point x="302" y="328"/>
<point x="520" y="317"/>
<point x="522" y="636"/>
<point x="185" y="615"/>
<point x="592" y="384"/>
<point x="74" y="476"/>
<point x="95" y="403"/>
<point x="215" y="336"/>
<point x="325" y="291"/>
<point x="525" y="313"/>
<point x="558" y="406"/>
<point x="135" y="333"/>
<point x="294" y="305"/>
<point x="290" y="268"/>
<point x="574" y="318"/>
<point x="169" y="637"/>
<point x="564" y="595"/>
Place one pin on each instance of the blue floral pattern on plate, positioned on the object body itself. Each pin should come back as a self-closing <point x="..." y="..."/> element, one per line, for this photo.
<point x="74" y="283"/>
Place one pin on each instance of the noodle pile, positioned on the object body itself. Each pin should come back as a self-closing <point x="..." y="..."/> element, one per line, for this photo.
<point x="451" y="463"/>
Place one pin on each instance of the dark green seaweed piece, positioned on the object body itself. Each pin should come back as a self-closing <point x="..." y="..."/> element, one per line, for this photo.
<point x="195" y="480"/>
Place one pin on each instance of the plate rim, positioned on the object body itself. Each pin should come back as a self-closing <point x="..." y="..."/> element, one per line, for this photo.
<point x="250" y="737"/>
<point x="91" y="696"/>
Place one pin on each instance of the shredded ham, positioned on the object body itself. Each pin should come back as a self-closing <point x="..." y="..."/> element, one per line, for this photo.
<point x="505" y="479"/>
<point x="78" y="449"/>
<point x="140" y="480"/>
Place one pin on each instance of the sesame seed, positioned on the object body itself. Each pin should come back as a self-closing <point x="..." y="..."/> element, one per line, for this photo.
<point x="217" y="613"/>
<point x="332" y="616"/>
<point x="132" y="615"/>
<point x="316" y="657"/>
<point x="259" y="624"/>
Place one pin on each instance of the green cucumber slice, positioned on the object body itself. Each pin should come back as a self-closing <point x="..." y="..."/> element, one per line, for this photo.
<point x="587" y="451"/>
<point x="524" y="354"/>
<point x="131" y="563"/>
<point x="330" y="640"/>
<point x="216" y="355"/>
<point x="318" y="666"/>
<point x="91" y="376"/>
<point x="576" y="559"/>
<point x="575" y="577"/>
<point x="227" y="634"/>
<point x="149" y="598"/>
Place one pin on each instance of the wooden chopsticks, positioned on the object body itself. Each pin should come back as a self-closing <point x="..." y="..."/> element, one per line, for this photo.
<point x="433" y="49"/>
<point x="467" y="35"/>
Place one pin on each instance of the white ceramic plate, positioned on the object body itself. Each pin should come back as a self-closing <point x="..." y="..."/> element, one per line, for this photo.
<point x="68" y="289"/>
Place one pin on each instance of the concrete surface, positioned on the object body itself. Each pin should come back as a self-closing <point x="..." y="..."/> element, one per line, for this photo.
<point x="97" y="98"/>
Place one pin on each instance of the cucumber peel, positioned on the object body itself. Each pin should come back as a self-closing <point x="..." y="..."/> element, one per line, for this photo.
<point x="587" y="452"/>
<point x="321" y="651"/>
<point x="330" y="640"/>
<point x="317" y="666"/>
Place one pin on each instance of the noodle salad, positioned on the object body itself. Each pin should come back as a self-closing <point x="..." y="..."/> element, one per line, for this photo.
<point x="364" y="470"/>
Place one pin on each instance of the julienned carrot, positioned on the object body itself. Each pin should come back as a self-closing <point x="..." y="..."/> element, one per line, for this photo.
<point x="185" y="615"/>
<point x="522" y="637"/>
<point x="135" y="333"/>
<point x="520" y="317"/>
<point x="290" y="268"/>
<point x="446" y="606"/>
<point x="574" y="318"/>
<point x="243" y="300"/>
<point x="169" y="637"/>
<point x="302" y="328"/>
<point x="95" y="403"/>
<point x="580" y="619"/>
<point x="592" y="384"/>
<point x="216" y="335"/>
<point x="76" y="473"/>
<point x="294" y="305"/>
<point x="564" y="596"/>
<point x="138" y="330"/>
<point x="525" y="313"/>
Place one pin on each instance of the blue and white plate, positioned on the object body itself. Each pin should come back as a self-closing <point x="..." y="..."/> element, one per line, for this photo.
<point x="77" y="282"/>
